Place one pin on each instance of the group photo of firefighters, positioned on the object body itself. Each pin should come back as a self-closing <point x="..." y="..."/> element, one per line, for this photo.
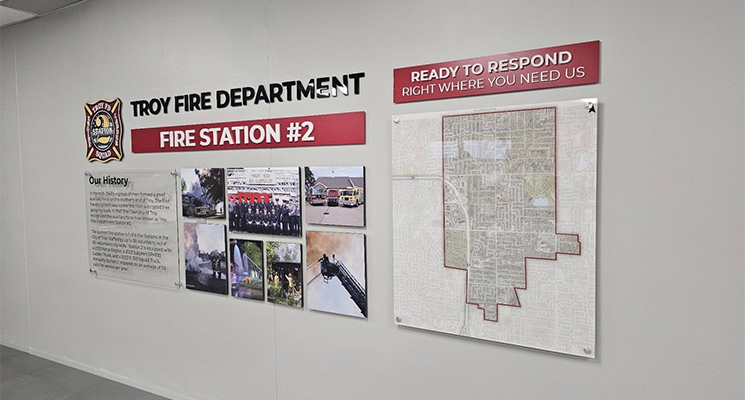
<point x="264" y="214"/>
<point x="264" y="200"/>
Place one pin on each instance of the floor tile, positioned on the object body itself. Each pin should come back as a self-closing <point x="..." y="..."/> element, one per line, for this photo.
<point x="27" y="377"/>
<point x="75" y="396"/>
<point x="7" y="352"/>
<point x="10" y="378"/>
<point x="110" y="390"/>
<point x="68" y="378"/>
<point x="8" y="375"/>
<point x="35" y="390"/>
<point x="27" y="364"/>
<point x="154" y="397"/>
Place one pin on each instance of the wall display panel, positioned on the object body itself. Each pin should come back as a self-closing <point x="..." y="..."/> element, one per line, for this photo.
<point x="549" y="67"/>
<point x="205" y="258"/>
<point x="335" y="195"/>
<point x="132" y="226"/>
<point x="203" y="192"/>
<point x="670" y="318"/>
<point x="298" y="131"/>
<point x="494" y="224"/>
<point x="265" y="201"/>
<point x="337" y="281"/>
<point x="284" y="273"/>
<point x="247" y="269"/>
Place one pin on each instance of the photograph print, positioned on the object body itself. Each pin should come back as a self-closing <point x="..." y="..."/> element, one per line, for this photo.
<point x="337" y="273"/>
<point x="203" y="192"/>
<point x="265" y="201"/>
<point x="246" y="269"/>
<point x="204" y="257"/>
<point x="284" y="273"/>
<point x="335" y="195"/>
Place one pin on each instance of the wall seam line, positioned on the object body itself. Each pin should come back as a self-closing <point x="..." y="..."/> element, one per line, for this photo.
<point x="1" y="231"/>
<point x="271" y="164"/>
<point x="23" y="199"/>
<point x="276" y="367"/>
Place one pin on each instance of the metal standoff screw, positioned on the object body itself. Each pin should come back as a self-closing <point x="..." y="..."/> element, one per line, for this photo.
<point x="398" y="319"/>
<point x="93" y="270"/>
<point x="178" y="284"/>
<point x="587" y="350"/>
<point x="174" y="172"/>
<point x="395" y="120"/>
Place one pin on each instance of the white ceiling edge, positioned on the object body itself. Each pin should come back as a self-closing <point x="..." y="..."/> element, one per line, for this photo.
<point x="10" y="16"/>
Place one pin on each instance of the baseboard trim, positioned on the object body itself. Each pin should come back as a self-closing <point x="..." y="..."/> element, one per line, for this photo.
<point x="14" y="346"/>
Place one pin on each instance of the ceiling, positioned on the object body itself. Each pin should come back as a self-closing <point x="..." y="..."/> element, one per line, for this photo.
<point x="15" y="11"/>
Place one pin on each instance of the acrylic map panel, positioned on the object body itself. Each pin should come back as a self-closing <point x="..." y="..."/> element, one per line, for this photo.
<point x="511" y="256"/>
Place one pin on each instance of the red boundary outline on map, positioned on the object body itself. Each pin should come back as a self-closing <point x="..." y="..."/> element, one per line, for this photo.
<point x="556" y="202"/>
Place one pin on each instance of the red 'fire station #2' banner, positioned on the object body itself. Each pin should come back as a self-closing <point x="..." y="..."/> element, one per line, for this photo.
<point x="567" y="65"/>
<point x="315" y="130"/>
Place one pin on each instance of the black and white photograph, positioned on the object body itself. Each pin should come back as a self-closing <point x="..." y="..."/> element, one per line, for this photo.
<point x="204" y="256"/>
<point x="335" y="195"/>
<point x="265" y="201"/>
<point x="203" y="192"/>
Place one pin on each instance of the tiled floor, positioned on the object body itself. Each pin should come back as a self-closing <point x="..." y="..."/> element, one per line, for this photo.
<point x="27" y="377"/>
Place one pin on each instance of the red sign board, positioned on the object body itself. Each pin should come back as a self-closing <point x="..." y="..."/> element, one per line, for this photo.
<point x="315" y="130"/>
<point x="568" y="65"/>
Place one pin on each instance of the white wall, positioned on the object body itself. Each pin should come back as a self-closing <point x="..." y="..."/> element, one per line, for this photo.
<point x="671" y="190"/>
<point x="14" y="312"/>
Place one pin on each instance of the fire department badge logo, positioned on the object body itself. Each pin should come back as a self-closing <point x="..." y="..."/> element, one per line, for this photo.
<point x="103" y="130"/>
